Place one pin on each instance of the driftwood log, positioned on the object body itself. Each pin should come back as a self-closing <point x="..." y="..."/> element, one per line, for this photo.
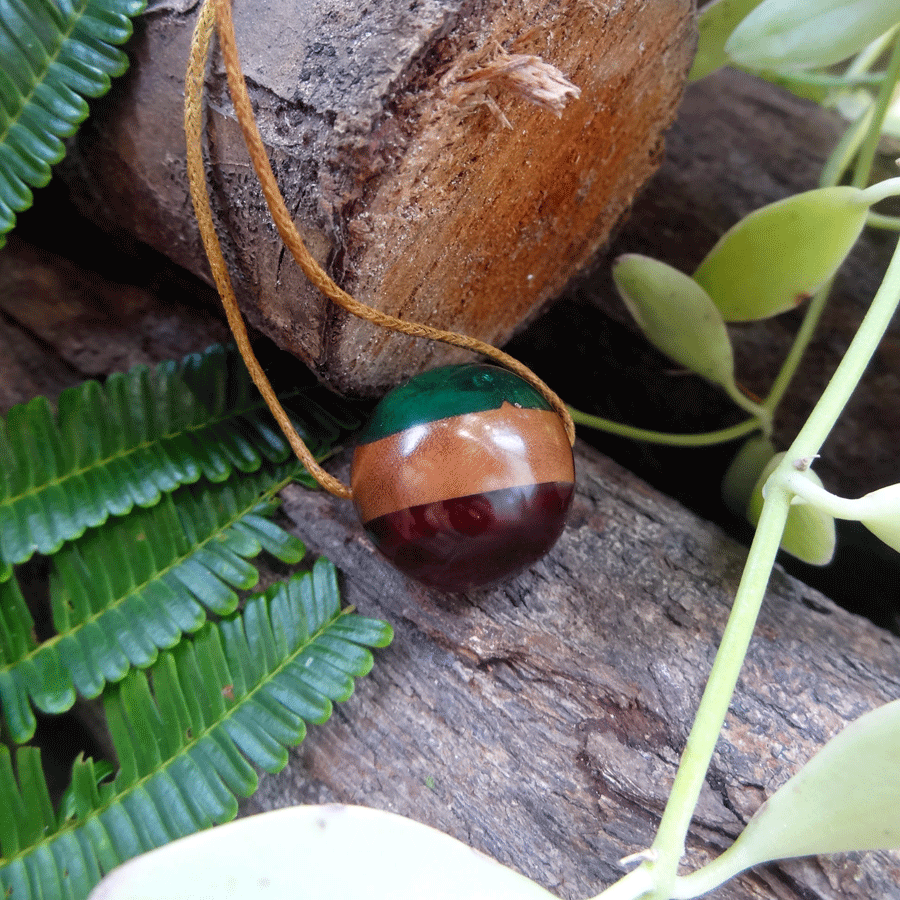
<point x="541" y="721"/>
<point x="450" y="162"/>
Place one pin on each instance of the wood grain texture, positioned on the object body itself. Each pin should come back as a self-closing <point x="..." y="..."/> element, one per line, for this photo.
<point x="61" y="323"/>
<point x="417" y="170"/>
<point x="542" y="721"/>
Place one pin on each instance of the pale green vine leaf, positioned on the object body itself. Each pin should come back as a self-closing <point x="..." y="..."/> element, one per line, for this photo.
<point x="743" y="473"/>
<point x="809" y="533"/>
<point x="301" y="853"/>
<point x="779" y="255"/>
<point x="854" y="104"/>
<point x="879" y="511"/>
<point x="805" y="34"/>
<point x="677" y="316"/>
<point x="846" y="798"/>
<point x="716" y="22"/>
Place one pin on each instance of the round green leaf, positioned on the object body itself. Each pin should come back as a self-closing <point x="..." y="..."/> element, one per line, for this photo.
<point x="779" y="255"/>
<point x="804" y="34"/>
<point x="809" y="533"/>
<point x="743" y="473"/>
<point x="846" y="798"/>
<point x="317" y="853"/>
<point x="715" y="24"/>
<point x="676" y="315"/>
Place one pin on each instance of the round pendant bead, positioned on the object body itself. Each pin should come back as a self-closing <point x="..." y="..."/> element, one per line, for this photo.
<point x="463" y="476"/>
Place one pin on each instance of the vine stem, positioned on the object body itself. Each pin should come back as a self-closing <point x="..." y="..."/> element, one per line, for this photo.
<point x="658" y="877"/>
<point x="882" y="102"/>
<point x="848" y="373"/>
<point x="816" y="495"/>
<point x="800" y="343"/>
<point x="700" y="439"/>
<point x="861" y="139"/>
<point x="841" y="157"/>
<point x="670" y="839"/>
<point x="660" y="874"/>
<point x="762" y="413"/>
<point x="878" y="220"/>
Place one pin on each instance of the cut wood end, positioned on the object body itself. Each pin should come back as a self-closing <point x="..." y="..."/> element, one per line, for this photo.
<point x="384" y="136"/>
<point x="473" y="227"/>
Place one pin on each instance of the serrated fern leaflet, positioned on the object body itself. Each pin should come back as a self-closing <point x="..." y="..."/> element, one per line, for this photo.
<point x="112" y="447"/>
<point x="118" y="596"/>
<point x="235" y="696"/>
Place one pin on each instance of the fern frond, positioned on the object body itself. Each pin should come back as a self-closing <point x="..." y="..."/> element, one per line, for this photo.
<point x="122" y="444"/>
<point x="17" y="640"/>
<point x="54" y="55"/>
<point x="119" y="594"/>
<point x="25" y="809"/>
<point x="235" y="696"/>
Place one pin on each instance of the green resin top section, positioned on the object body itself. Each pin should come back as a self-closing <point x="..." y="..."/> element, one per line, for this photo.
<point x="445" y="392"/>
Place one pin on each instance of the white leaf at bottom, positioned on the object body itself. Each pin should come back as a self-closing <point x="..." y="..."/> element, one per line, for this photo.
<point x="317" y="853"/>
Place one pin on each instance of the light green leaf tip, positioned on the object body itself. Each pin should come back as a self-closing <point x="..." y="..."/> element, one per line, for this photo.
<point x="879" y="511"/>
<point x="715" y="24"/>
<point x="779" y="255"/>
<point x="846" y="798"/>
<point x="677" y="316"/>
<point x="301" y="853"/>
<point x="805" y="34"/>
<point x="809" y="533"/>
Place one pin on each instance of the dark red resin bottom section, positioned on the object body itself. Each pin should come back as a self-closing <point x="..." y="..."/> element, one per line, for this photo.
<point x="471" y="542"/>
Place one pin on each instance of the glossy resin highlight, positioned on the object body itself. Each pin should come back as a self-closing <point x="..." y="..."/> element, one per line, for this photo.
<point x="463" y="476"/>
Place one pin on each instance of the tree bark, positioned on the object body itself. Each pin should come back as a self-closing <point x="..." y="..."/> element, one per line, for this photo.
<point x="416" y="151"/>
